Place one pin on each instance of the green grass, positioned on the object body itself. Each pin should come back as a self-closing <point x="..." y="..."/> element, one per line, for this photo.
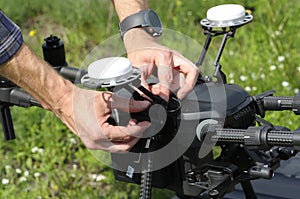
<point x="47" y="161"/>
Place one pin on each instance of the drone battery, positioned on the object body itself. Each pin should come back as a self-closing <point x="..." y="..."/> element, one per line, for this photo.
<point x="224" y="102"/>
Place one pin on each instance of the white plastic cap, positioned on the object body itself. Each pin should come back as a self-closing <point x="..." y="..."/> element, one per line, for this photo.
<point x="227" y="15"/>
<point x="225" y="12"/>
<point x="109" y="68"/>
<point x="109" y="72"/>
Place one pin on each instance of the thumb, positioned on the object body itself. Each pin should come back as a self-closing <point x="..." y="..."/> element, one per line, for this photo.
<point x="128" y="104"/>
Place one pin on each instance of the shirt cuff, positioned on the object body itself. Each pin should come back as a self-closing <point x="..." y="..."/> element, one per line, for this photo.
<point x="10" y="38"/>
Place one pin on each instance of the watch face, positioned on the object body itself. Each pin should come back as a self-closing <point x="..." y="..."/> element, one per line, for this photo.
<point x="154" y="19"/>
<point x="156" y="26"/>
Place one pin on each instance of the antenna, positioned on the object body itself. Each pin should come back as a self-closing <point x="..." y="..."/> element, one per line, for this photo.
<point x="222" y="20"/>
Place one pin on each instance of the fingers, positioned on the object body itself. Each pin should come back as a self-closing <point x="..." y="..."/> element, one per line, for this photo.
<point x="119" y="138"/>
<point x="122" y="138"/>
<point x="128" y="104"/>
<point x="121" y="147"/>
<point x="174" y="71"/>
<point x="190" y="79"/>
<point x="90" y="114"/>
<point x="164" y="62"/>
<point x="124" y="134"/>
<point x="187" y="87"/>
<point x="162" y="91"/>
<point x="168" y="63"/>
<point x="113" y="147"/>
<point x="190" y="72"/>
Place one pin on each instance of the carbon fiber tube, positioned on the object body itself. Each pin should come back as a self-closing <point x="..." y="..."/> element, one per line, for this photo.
<point x="229" y="135"/>
<point x="285" y="138"/>
<point x="146" y="181"/>
<point x="257" y="136"/>
<point x="73" y="74"/>
<point x="279" y="103"/>
<point x="7" y="125"/>
<point x="21" y="98"/>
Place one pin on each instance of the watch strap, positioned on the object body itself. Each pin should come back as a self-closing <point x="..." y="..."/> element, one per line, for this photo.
<point x="133" y="21"/>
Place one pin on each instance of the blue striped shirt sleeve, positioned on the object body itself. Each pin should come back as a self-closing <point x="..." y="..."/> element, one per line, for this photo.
<point x="10" y="38"/>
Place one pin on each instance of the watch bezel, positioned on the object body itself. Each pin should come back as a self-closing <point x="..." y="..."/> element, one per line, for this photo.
<point x="146" y="22"/>
<point x="153" y="29"/>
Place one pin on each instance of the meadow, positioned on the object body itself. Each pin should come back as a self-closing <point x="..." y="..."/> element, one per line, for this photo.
<point x="47" y="161"/>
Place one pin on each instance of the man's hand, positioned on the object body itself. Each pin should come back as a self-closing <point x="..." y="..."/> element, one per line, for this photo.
<point x="86" y="113"/>
<point x="174" y="71"/>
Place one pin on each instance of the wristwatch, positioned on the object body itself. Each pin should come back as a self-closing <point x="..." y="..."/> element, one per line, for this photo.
<point x="146" y="19"/>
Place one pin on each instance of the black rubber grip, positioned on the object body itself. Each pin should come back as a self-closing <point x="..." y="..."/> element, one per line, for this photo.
<point x="258" y="136"/>
<point x="278" y="103"/>
<point x="73" y="74"/>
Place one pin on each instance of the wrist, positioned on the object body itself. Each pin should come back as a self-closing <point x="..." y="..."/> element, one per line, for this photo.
<point x="137" y="38"/>
<point x="59" y="96"/>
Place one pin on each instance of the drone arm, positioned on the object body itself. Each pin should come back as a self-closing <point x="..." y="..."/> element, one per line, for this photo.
<point x="279" y="103"/>
<point x="257" y="136"/>
<point x="6" y="120"/>
<point x="72" y="73"/>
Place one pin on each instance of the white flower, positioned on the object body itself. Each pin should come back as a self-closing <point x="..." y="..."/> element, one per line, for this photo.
<point x="281" y="58"/>
<point x="94" y="176"/>
<point x="281" y="66"/>
<point x="37" y="150"/>
<point x="73" y="140"/>
<point x="247" y="88"/>
<point x="75" y="166"/>
<point x="41" y="150"/>
<point x="231" y="81"/>
<point x="7" y="167"/>
<point x="277" y="32"/>
<point x="285" y="84"/>
<point x="263" y="76"/>
<point x="273" y="67"/>
<point x="23" y="179"/>
<point x="100" y="177"/>
<point x="254" y="88"/>
<point x="26" y="173"/>
<point x="231" y="75"/>
<point x="34" y="149"/>
<point x="243" y="78"/>
<point x="298" y="68"/>
<point x="37" y="174"/>
<point x="97" y="177"/>
<point x="5" y="181"/>
<point x="18" y="171"/>
<point x="253" y="75"/>
<point x="296" y="90"/>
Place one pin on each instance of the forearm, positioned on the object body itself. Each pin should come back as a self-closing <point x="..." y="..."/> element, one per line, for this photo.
<point x="35" y="76"/>
<point x="124" y="8"/>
